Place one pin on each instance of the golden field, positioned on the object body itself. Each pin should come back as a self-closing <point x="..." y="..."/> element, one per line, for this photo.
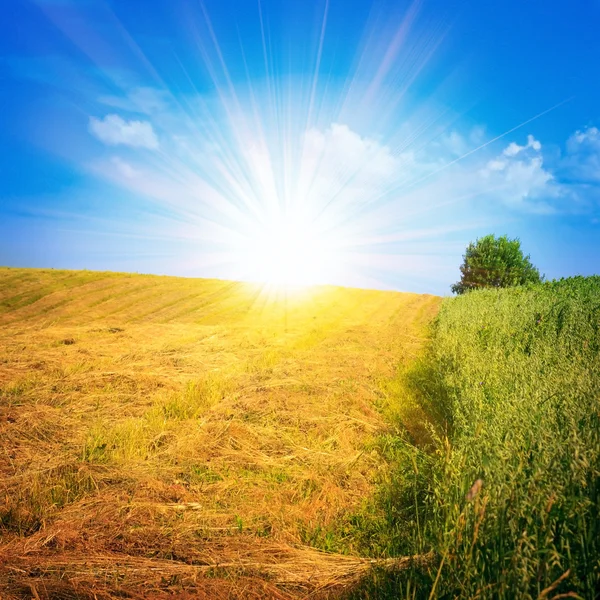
<point x="168" y="437"/>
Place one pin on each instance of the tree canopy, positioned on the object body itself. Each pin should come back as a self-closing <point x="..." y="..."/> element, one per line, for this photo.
<point x="495" y="262"/>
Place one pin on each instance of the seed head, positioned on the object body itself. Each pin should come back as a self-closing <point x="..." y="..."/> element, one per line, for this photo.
<point x="475" y="489"/>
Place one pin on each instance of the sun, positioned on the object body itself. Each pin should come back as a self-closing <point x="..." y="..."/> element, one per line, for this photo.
<point x="290" y="252"/>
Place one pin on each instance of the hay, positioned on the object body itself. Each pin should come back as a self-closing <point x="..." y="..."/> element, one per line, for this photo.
<point x="195" y="431"/>
<point x="287" y="569"/>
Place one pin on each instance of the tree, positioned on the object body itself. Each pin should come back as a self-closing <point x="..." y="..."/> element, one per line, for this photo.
<point x="495" y="262"/>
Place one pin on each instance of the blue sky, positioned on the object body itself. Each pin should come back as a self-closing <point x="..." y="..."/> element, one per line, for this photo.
<point x="362" y="143"/>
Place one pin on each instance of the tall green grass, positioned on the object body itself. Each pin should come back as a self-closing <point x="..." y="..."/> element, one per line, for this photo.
<point x="507" y="495"/>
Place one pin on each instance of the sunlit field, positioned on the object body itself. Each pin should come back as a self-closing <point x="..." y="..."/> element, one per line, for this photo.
<point x="188" y="438"/>
<point x="165" y="437"/>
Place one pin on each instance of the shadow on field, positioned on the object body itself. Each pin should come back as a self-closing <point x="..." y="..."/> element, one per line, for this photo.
<point x="392" y="523"/>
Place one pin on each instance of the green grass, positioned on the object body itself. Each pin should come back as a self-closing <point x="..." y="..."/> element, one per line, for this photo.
<point x="511" y="385"/>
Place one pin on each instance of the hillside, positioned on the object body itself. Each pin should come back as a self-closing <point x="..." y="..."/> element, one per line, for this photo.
<point x="161" y="433"/>
<point x="507" y="493"/>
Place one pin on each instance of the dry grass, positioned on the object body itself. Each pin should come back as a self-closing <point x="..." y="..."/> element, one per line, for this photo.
<point x="162" y="435"/>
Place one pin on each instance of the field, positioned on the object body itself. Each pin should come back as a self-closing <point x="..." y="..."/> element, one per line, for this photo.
<point x="166" y="437"/>
<point x="507" y="491"/>
<point x="180" y="438"/>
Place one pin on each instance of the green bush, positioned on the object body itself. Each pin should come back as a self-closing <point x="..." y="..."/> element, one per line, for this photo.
<point x="495" y="262"/>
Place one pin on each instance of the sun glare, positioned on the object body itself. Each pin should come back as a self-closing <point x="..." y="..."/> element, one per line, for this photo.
<point x="290" y="253"/>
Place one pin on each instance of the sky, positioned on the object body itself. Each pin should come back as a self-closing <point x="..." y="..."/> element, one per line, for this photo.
<point x="352" y="142"/>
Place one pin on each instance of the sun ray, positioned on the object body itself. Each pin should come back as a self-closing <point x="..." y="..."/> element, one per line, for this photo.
<point x="280" y="160"/>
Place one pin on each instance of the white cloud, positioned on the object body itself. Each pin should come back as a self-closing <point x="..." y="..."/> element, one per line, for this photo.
<point x="518" y="178"/>
<point x="339" y="151"/>
<point x="331" y="173"/>
<point x="114" y="131"/>
<point x="336" y="168"/>
<point x="458" y="144"/>
<point x="582" y="160"/>
<point x="590" y="136"/>
<point x="513" y="149"/>
<point x="341" y="170"/>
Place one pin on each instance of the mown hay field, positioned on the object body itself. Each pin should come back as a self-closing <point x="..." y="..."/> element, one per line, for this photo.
<point x="166" y="437"/>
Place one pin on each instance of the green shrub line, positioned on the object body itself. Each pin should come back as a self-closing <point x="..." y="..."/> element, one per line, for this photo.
<point x="507" y="492"/>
